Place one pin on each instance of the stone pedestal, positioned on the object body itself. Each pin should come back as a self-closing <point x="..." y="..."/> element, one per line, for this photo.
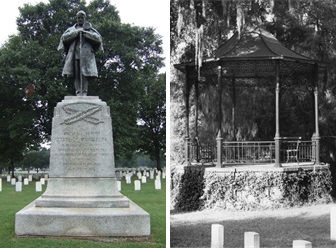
<point x="82" y="197"/>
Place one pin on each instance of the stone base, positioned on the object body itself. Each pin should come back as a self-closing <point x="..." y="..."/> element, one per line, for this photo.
<point x="82" y="193"/>
<point x="82" y="222"/>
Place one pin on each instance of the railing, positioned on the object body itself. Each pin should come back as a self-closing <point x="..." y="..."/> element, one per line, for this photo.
<point x="203" y="153"/>
<point x="254" y="152"/>
<point x="302" y="151"/>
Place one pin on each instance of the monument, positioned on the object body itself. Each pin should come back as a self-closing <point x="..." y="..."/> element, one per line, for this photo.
<point x="82" y="198"/>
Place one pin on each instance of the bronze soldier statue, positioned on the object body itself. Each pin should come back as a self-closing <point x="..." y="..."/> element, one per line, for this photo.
<point x="80" y="43"/>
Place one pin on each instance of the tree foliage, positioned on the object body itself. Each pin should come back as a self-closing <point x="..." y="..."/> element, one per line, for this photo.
<point x="152" y="113"/>
<point x="30" y="60"/>
<point x="306" y="26"/>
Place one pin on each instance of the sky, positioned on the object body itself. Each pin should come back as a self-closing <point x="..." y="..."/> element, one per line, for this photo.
<point x="145" y="13"/>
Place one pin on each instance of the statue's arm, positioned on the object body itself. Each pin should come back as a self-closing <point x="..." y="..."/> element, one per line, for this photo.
<point x="69" y="36"/>
<point x="93" y="37"/>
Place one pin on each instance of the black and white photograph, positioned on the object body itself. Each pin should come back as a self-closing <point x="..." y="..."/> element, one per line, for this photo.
<point x="253" y="130"/>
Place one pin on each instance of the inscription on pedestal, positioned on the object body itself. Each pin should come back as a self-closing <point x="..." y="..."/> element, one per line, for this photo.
<point x="82" y="143"/>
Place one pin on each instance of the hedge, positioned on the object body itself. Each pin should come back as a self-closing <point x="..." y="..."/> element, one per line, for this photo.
<point x="196" y="190"/>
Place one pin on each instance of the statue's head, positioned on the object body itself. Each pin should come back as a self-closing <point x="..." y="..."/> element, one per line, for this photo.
<point x="80" y="17"/>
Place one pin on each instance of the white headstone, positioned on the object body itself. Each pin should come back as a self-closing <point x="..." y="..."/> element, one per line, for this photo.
<point x="128" y="179"/>
<point x="157" y="184"/>
<point x="18" y="187"/>
<point x="302" y="244"/>
<point x="333" y="223"/>
<point x="144" y="179"/>
<point x="137" y="185"/>
<point x="163" y="175"/>
<point x="8" y="179"/>
<point x="217" y="236"/>
<point x="25" y="181"/>
<point x="30" y="178"/>
<point x="38" y="187"/>
<point x="42" y="180"/>
<point x="139" y="175"/>
<point x="13" y="181"/>
<point x="251" y="240"/>
<point x="46" y="176"/>
<point x="20" y="178"/>
<point x="151" y="174"/>
<point x="119" y="185"/>
<point x="0" y="184"/>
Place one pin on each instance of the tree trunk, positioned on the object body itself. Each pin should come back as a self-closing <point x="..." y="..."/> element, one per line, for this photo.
<point x="12" y="166"/>
<point x="158" y="162"/>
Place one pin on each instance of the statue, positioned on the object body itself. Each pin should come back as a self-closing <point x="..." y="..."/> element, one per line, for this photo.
<point x="80" y="43"/>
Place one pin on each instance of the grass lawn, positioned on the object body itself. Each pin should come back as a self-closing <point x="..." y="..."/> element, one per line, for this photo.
<point x="277" y="228"/>
<point x="151" y="200"/>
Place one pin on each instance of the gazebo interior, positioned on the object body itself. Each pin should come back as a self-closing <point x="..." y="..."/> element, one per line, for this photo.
<point x="251" y="61"/>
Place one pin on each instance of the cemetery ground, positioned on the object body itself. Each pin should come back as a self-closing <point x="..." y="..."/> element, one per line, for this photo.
<point x="151" y="200"/>
<point x="277" y="228"/>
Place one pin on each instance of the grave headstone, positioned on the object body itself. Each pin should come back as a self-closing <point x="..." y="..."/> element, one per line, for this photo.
<point x="42" y="180"/>
<point x="333" y="223"/>
<point x="151" y="174"/>
<point x="13" y="181"/>
<point x="119" y="185"/>
<point x="128" y="179"/>
<point x="38" y="187"/>
<point x="30" y="178"/>
<point x="163" y="175"/>
<point x="139" y="175"/>
<point x="0" y="184"/>
<point x="157" y="184"/>
<point x="144" y="179"/>
<point x="25" y="181"/>
<point x="46" y="176"/>
<point x="137" y="185"/>
<point x="217" y="236"/>
<point x="251" y="240"/>
<point x="302" y="244"/>
<point x="20" y="178"/>
<point x="18" y="187"/>
<point x="9" y="179"/>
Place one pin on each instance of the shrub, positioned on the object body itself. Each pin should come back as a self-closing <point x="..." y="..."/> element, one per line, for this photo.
<point x="188" y="189"/>
<point x="196" y="190"/>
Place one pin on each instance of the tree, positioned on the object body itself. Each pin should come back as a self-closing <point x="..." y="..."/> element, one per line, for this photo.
<point x="37" y="159"/>
<point x="152" y="119"/>
<point x="30" y="60"/>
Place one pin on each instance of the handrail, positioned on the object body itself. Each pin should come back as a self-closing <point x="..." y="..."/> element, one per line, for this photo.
<point x="254" y="152"/>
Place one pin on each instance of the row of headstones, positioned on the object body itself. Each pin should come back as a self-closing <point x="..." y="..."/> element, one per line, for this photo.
<point x="18" y="184"/>
<point x="141" y="175"/>
<point x="251" y="239"/>
<point x="137" y="184"/>
<point x="138" y="169"/>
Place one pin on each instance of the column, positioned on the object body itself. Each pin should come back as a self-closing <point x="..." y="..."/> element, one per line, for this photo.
<point x="196" y="123"/>
<point x="316" y="137"/>
<point x="234" y="107"/>
<point x="186" y="101"/>
<point x="219" y="134"/>
<point x="277" y="115"/>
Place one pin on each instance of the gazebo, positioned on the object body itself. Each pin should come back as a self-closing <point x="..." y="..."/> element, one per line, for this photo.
<point x="256" y="56"/>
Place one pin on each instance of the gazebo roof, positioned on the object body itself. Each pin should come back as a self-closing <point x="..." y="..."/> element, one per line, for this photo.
<point x="256" y="44"/>
<point x="253" y="54"/>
